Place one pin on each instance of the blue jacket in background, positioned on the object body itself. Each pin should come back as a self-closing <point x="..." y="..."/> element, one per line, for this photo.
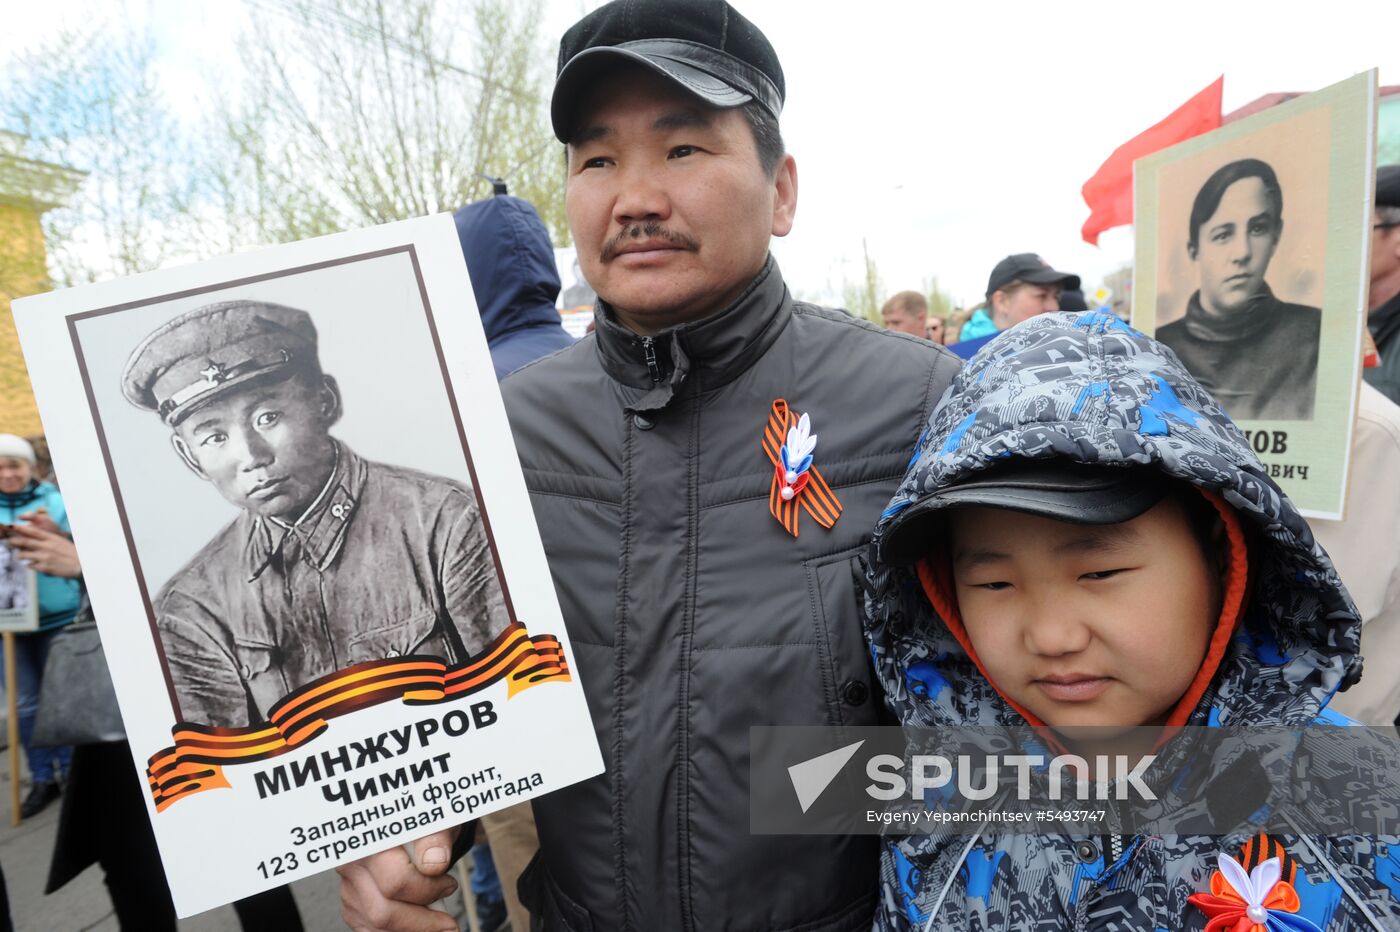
<point x="511" y="263"/>
<point x="979" y="325"/>
<point x="58" y="597"/>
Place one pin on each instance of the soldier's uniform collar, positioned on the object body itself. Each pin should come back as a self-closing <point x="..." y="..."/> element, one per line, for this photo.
<point x="320" y="532"/>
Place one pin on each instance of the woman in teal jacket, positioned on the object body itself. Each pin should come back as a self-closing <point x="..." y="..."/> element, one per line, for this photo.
<point x="21" y="496"/>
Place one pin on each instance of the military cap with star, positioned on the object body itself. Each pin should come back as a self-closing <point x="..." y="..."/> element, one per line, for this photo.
<point x="216" y="349"/>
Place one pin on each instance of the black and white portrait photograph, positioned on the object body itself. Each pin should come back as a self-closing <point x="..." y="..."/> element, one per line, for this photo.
<point x="308" y="547"/>
<point x="14" y="580"/>
<point x="1250" y="245"/>
<point x="308" y="505"/>
<point x="1259" y="353"/>
<point x="1241" y="277"/>
<point x="18" y="608"/>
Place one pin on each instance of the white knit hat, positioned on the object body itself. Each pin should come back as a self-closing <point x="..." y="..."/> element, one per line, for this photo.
<point x="16" y="448"/>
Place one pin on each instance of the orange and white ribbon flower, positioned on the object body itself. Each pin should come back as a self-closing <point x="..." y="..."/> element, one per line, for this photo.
<point x="797" y="484"/>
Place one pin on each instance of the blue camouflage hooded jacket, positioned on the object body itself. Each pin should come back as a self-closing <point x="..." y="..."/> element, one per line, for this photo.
<point x="1088" y="388"/>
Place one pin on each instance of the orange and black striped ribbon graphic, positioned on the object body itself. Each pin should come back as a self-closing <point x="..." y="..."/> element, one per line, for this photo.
<point x="1264" y="846"/>
<point x="196" y="761"/>
<point x="814" y="495"/>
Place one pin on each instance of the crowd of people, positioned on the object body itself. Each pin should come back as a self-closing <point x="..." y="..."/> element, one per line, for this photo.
<point x="989" y="548"/>
<point x="1019" y="287"/>
<point x="1127" y="563"/>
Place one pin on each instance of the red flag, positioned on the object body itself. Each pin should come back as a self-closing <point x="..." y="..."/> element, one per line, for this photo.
<point x="1109" y="193"/>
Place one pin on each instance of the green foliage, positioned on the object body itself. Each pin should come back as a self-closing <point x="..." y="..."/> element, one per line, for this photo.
<point x="356" y="114"/>
<point x="89" y="100"/>
<point x="865" y="297"/>
<point x="341" y="114"/>
<point x="940" y="302"/>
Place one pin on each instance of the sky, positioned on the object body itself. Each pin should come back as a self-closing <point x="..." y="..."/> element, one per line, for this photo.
<point x="942" y="136"/>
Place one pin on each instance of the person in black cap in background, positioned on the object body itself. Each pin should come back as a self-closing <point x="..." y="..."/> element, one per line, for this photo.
<point x="1072" y="300"/>
<point x="334" y="560"/>
<point x="704" y="591"/>
<point x="1384" y="319"/>
<point x="1020" y="287"/>
<point x="1365" y="545"/>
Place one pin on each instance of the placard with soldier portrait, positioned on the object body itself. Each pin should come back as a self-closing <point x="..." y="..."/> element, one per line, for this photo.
<point x="1252" y="266"/>
<point x="310" y="552"/>
<point x="19" y="603"/>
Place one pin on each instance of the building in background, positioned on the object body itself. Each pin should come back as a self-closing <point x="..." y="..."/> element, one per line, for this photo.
<point x="1387" y="118"/>
<point x="27" y="189"/>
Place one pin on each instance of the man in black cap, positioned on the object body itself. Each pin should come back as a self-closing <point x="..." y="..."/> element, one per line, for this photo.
<point x="1020" y="287"/>
<point x="1384" y="319"/>
<point x="334" y="560"/>
<point x="705" y="475"/>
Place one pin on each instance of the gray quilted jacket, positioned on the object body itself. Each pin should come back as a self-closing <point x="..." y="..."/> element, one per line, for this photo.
<point x="694" y="614"/>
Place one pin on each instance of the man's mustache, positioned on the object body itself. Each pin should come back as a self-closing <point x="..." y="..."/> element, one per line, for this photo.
<point x="652" y="230"/>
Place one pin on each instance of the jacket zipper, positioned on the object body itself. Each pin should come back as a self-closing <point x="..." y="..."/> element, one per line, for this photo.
<point x="653" y="366"/>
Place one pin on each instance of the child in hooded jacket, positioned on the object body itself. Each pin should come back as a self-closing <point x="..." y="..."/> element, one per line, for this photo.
<point x="1084" y="538"/>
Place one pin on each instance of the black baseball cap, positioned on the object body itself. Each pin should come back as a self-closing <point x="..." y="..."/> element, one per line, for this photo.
<point x="705" y="47"/>
<point x="1028" y="267"/>
<point x="1388" y="186"/>
<point x="1056" y="489"/>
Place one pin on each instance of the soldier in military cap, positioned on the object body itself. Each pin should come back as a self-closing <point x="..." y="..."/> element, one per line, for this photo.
<point x="334" y="560"/>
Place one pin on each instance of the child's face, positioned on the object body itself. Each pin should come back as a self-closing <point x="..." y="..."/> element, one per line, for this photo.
<point x="1086" y="625"/>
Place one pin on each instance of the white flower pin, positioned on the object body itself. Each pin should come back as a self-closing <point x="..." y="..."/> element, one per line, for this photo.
<point x="797" y="484"/>
<point x="797" y="452"/>
<point x="1253" y="887"/>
